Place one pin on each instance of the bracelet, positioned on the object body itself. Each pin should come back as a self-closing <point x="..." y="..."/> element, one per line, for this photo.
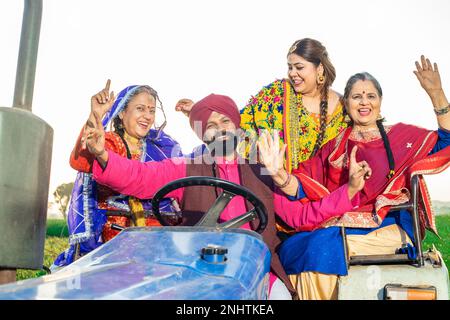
<point x="442" y="111"/>
<point x="288" y="180"/>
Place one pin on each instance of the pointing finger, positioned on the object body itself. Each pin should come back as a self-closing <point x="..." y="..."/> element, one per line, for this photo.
<point x="353" y="155"/>
<point x="108" y="84"/>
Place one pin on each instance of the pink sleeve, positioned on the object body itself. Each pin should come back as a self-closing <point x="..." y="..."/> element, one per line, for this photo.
<point x="297" y="214"/>
<point x="139" y="179"/>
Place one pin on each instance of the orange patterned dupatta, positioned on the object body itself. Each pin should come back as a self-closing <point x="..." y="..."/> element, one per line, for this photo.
<point x="410" y="145"/>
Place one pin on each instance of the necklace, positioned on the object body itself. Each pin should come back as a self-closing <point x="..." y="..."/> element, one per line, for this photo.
<point x="134" y="144"/>
<point x="365" y="135"/>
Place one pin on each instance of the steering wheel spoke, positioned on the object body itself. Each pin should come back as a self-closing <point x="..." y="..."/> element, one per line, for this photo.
<point x="238" y="221"/>
<point x="213" y="214"/>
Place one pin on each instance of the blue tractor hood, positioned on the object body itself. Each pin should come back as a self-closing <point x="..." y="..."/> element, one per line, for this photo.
<point x="159" y="263"/>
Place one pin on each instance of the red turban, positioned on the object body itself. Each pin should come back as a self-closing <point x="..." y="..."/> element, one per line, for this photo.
<point x="201" y="111"/>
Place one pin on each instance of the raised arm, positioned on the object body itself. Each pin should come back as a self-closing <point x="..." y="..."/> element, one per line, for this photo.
<point x="80" y="158"/>
<point x="184" y="105"/>
<point x="430" y="80"/>
<point x="126" y="176"/>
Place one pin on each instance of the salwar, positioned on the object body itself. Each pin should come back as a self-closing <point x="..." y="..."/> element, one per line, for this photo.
<point x="320" y="286"/>
<point x="315" y="285"/>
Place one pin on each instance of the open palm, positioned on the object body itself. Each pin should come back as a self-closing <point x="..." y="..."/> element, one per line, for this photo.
<point x="428" y="75"/>
<point x="271" y="155"/>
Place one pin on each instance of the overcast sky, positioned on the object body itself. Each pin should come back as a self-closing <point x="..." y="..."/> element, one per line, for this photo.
<point x="193" y="48"/>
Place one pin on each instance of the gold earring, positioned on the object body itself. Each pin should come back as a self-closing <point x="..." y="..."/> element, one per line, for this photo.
<point x="347" y="118"/>
<point x="320" y="79"/>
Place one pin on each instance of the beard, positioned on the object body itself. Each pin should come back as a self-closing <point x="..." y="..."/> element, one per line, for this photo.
<point x="222" y="147"/>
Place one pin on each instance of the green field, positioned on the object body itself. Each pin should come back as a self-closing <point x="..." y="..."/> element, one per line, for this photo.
<point x="443" y="244"/>
<point x="56" y="242"/>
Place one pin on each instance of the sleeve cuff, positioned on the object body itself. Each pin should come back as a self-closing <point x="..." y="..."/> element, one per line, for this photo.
<point x="97" y="169"/>
<point x="355" y="201"/>
<point x="300" y="193"/>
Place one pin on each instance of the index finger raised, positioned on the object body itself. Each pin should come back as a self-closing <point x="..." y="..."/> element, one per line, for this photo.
<point x="353" y="154"/>
<point x="108" y="84"/>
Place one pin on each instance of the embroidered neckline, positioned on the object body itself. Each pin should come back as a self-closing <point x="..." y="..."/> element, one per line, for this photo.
<point x="369" y="135"/>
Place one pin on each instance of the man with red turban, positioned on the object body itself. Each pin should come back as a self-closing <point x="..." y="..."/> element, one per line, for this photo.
<point x="215" y="119"/>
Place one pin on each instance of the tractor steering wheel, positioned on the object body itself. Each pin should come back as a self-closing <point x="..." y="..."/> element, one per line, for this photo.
<point x="230" y="190"/>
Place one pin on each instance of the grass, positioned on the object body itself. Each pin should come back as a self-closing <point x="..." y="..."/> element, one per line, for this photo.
<point x="57" y="228"/>
<point x="443" y="244"/>
<point x="57" y="241"/>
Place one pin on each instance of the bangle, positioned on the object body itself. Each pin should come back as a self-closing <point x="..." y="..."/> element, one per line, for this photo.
<point x="442" y="111"/>
<point x="288" y="180"/>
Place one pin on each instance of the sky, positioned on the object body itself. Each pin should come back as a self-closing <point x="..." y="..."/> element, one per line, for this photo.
<point x="191" y="48"/>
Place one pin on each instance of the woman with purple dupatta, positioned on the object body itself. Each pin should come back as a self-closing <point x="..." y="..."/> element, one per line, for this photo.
<point x="94" y="208"/>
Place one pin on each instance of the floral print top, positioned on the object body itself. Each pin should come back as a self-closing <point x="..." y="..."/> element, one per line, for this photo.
<point x="278" y="107"/>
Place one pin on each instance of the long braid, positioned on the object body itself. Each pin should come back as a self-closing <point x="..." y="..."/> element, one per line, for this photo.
<point x="387" y="146"/>
<point x="118" y="128"/>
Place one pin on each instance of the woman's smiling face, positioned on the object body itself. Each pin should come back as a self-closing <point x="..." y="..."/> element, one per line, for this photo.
<point x="303" y="74"/>
<point x="139" y="115"/>
<point x="363" y="104"/>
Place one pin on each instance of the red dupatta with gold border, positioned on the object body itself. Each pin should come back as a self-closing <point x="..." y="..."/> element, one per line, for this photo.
<point x="410" y="146"/>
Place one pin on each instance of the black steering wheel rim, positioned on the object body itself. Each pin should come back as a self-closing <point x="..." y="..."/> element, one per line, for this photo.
<point x="227" y="186"/>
